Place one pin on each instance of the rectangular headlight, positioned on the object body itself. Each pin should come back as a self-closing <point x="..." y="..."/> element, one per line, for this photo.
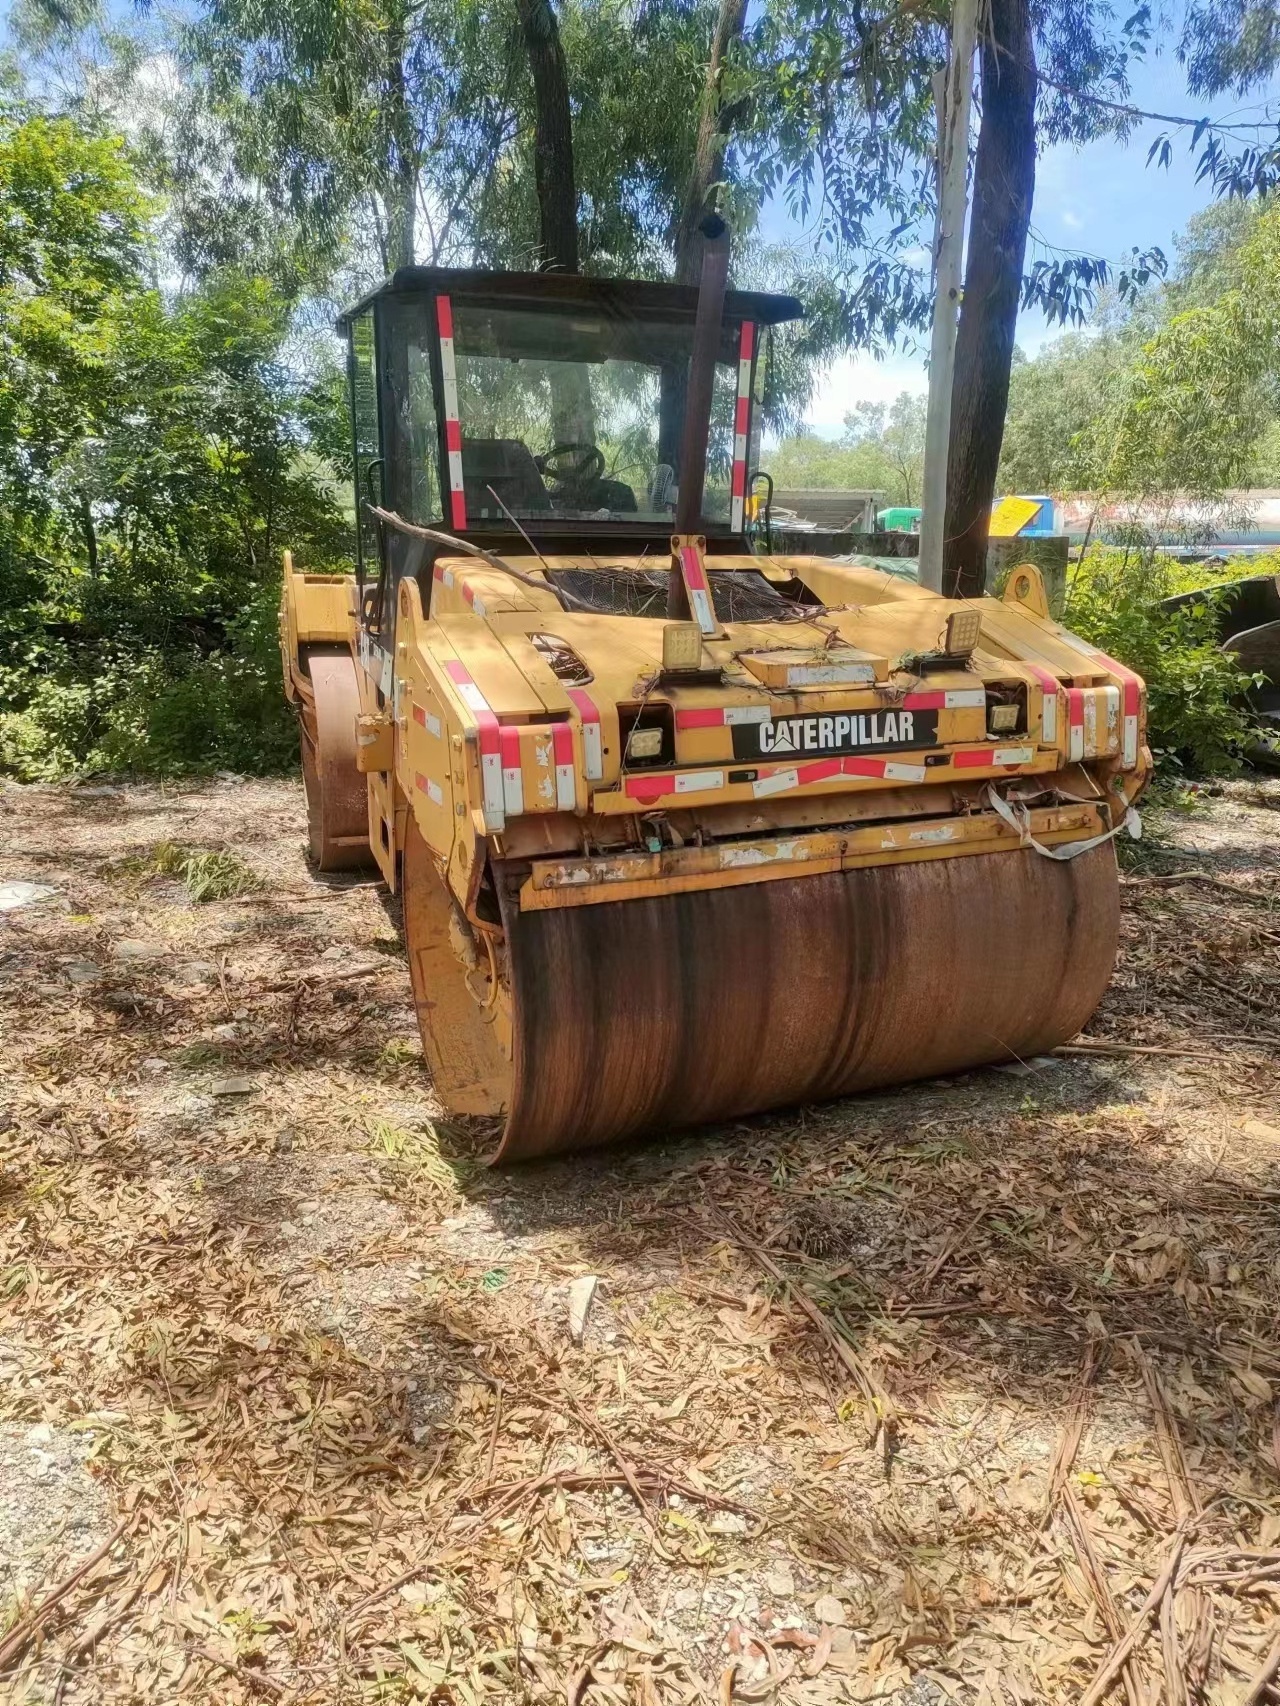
<point x="644" y="743"/>
<point x="964" y="630"/>
<point x="1002" y="719"/>
<point x="681" y="646"/>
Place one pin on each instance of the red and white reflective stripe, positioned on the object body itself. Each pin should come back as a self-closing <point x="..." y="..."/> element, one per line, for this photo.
<point x="884" y="769"/>
<point x="741" y="427"/>
<point x="512" y="775"/>
<point x="433" y="790"/>
<point x="592" y="749"/>
<point x="977" y="757"/>
<point x="695" y="584"/>
<point x="490" y="742"/>
<point x="720" y="716"/>
<point x="950" y="699"/>
<point x="446" y="577"/>
<point x="562" y="746"/>
<point x="669" y="783"/>
<point x="429" y="721"/>
<point x="873" y="769"/>
<point x="1050" y="687"/>
<point x="452" y="419"/>
<point x="714" y="717"/>
<point x="647" y="788"/>
<point x="1130" y="706"/>
<point x="1075" y="723"/>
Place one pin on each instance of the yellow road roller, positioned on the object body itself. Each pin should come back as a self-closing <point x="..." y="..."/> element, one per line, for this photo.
<point x="683" y="828"/>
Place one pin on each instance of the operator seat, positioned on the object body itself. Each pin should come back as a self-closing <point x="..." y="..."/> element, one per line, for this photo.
<point x="507" y="465"/>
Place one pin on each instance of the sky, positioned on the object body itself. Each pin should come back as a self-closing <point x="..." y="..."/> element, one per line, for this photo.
<point x="1102" y="199"/>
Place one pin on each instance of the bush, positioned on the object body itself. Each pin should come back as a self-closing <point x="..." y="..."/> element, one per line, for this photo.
<point x="1196" y="720"/>
<point x="192" y="713"/>
<point x="126" y="706"/>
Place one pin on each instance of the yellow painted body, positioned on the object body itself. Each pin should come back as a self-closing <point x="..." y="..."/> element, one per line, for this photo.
<point x="424" y="725"/>
<point x="473" y="746"/>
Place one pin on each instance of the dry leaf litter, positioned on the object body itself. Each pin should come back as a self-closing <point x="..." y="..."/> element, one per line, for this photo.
<point x="964" y="1392"/>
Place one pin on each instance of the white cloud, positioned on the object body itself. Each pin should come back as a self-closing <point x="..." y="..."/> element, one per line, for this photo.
<point x="859" y="379"/>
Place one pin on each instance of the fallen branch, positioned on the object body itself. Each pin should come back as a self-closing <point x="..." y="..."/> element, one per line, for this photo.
<point x="581" y="1677"/>
<point x="92" y="1636"/>
<point x="1260" y="1683"/>
<point x="247" y="1674"/>
<point x="1194" y="877"/>
<point x="1101" y="1047"/>
<point x="1186" y="1501"/>
<point x="881" y="1404"/>
<point x="575" y="1480"/>
<point x="1095" y="1576"/>
<point x="1263" y="1003"/>
<point x="624" y="1464"/>
<point x="1064" y="1456"/>
<point x="318" y="979"/>
<point x="1175" y="1676"/>
<point x="1125" y="1645"/>
<point x="16" y="1640"/>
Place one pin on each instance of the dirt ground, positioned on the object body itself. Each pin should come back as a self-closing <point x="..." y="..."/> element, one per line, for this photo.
<point x="912" y="1397"/>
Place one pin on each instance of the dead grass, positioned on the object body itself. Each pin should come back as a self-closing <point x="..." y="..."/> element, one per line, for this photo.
<point x="903" y="1398"/>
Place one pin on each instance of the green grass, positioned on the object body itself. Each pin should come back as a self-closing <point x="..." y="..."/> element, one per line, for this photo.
<point x="207" y="875"/>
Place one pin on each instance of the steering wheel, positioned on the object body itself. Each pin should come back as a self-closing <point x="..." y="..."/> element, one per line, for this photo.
<point x="574" y="467"/>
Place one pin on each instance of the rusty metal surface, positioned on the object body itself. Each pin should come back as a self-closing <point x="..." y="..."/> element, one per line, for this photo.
<point x="654" y="1014"/>
<point x="337" y="795"/>
<point x="461" y="1037"/>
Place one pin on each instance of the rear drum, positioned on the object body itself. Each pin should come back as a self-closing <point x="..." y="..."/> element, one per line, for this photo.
<point x="337" y="794"/>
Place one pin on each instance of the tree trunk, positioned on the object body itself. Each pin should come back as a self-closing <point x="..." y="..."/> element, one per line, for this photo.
<point x="709" y="146"/>
<point x="552" y="137"/>
<point x="687" y="240"/>
<point x="401" y="150"/>
<point x="90" y="534"/>
<point x="1003" y="184"/>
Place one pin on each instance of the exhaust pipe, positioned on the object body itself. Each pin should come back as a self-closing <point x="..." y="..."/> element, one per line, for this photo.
<point x="697" y="408"/>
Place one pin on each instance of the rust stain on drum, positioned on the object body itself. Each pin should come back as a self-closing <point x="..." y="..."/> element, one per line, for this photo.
<point x="648" y="1015"/>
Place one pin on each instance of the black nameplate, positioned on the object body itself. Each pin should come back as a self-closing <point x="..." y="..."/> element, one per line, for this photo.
<point x="837" y="733"/>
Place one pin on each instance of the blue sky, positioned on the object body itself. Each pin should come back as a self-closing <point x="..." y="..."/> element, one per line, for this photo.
<point x="1102" y="198"/>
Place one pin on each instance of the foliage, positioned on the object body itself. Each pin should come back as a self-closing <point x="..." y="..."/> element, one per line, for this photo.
<point x="394" y="131"/>
<point x="1195" y="403"/>
<point x="841" y="128"/>
<point x="1194" y="718"/>
<point x="880" y="450"/>
<point x="1178" y="393"/>
<point x="153" y="462"/>
<point x="1055" y="432"/>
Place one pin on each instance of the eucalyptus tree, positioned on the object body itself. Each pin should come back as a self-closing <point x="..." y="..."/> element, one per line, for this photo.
<point x="841" y="126"/>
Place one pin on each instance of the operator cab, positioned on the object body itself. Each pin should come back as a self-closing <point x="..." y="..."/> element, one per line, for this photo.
<point x="498" y="405"/>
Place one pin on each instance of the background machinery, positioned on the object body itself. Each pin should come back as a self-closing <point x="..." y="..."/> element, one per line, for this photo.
<point x="682" y="829"/>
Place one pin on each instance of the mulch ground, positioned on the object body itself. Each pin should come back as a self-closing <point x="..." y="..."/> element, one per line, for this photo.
<point x="943" y="1394"/>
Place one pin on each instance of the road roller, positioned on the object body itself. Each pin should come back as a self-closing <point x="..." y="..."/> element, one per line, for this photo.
<point x="683" y="829"/>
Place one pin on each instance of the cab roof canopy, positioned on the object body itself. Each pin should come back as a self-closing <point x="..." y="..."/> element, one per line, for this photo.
<point x="623" y="297"/>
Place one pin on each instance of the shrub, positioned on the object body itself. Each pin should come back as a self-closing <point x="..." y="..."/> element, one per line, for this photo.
<point x="1196" y="720"/>
<point x="130" y="704"/>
